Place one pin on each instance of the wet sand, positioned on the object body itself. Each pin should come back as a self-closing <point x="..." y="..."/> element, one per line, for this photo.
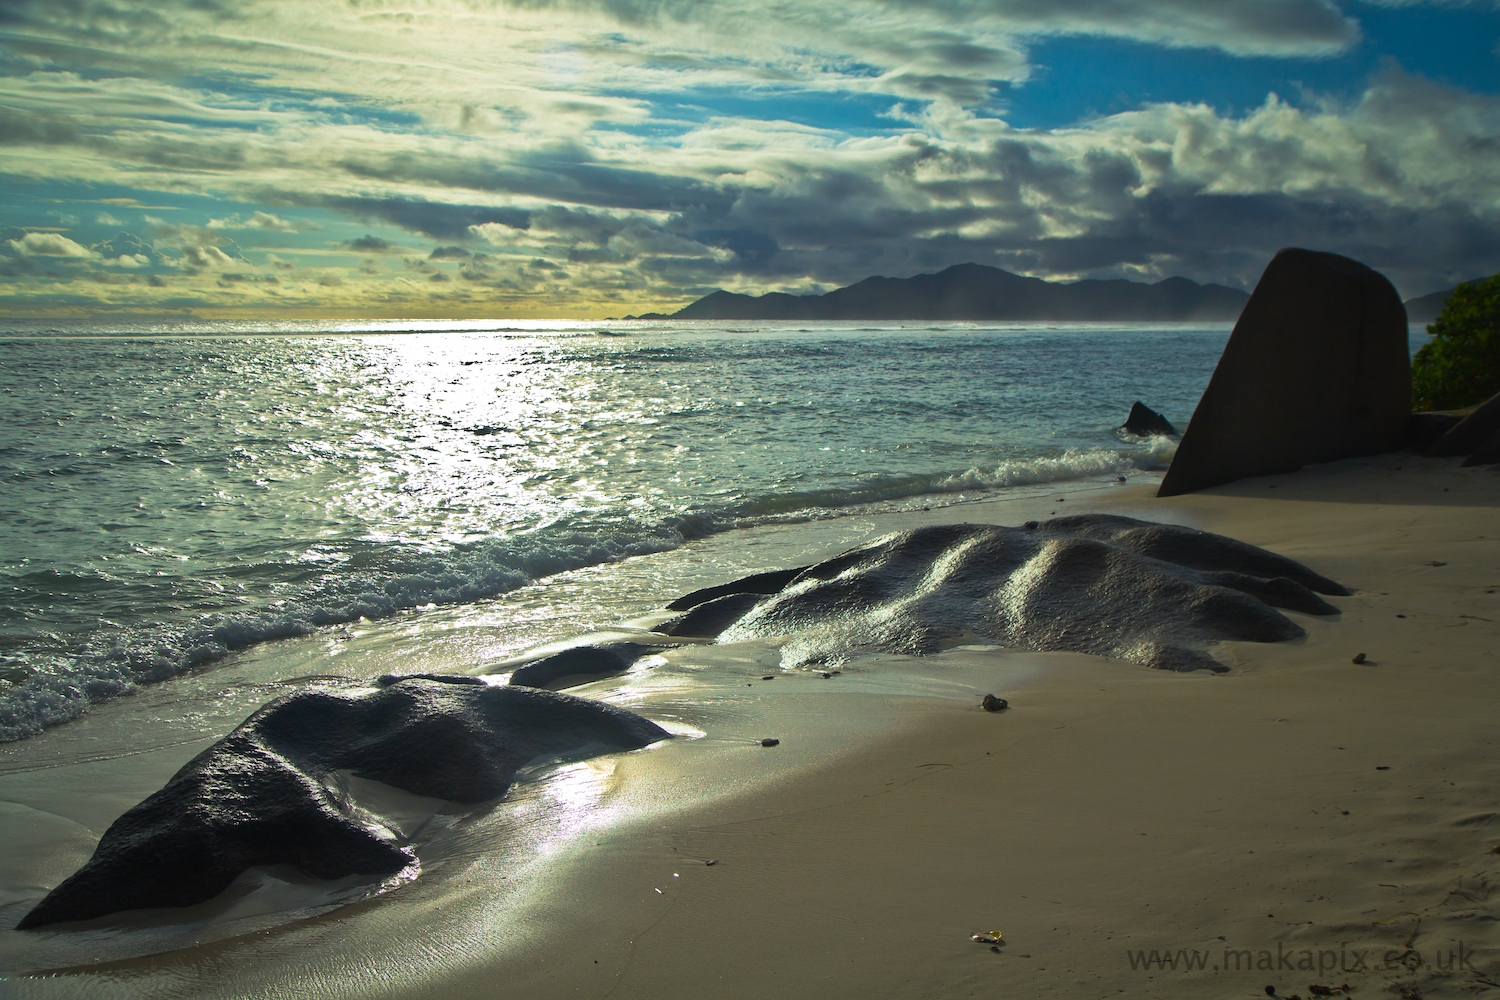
<point x="1299" y="807"/>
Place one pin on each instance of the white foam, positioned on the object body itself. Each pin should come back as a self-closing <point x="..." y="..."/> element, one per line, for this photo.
<point x="56" y="688"/>
<point x="1074" y="463"/>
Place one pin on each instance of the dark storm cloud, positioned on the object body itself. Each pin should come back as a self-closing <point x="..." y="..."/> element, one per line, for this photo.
<point x="752" y="247"/>
<point x="1144" y="195"/>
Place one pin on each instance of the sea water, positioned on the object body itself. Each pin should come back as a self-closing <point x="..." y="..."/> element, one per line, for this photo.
<point x="206" y="518"/>
<point x="175" y="493"/>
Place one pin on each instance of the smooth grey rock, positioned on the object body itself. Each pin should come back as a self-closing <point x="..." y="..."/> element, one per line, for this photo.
<point x="759" y="583"/>
<point x="1155" y="594"/>
<point x="262" y="795"/>
<point x="1191" y="547"/>
<point x="1317" y="369"/>
<point x="580" y="664"/>
<point x="710" y="618"/>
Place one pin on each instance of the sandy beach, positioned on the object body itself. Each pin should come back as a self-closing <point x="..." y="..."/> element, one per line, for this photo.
<point x="1338" y="820"/>
<point x="1300" y="820"/>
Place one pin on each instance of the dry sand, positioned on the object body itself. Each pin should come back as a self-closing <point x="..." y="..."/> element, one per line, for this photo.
<point x="1334" y="821"/>
<point x="1301" y="810"/>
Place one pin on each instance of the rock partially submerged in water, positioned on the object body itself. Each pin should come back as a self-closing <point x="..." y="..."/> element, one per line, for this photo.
<point x="1144" y="422"/>
<point x="264" y="795"/>
<point x="1155" y="594"/>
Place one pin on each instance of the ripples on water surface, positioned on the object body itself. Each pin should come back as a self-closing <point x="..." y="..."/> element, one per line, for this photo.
<point x="168" y="498"/>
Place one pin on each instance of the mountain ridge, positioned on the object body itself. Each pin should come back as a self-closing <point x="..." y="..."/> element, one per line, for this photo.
<point x="979" y="292"/>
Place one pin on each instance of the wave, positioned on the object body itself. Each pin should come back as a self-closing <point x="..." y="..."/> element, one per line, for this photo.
<point x="45" y="687"/>
<point x="1155" y="453"/>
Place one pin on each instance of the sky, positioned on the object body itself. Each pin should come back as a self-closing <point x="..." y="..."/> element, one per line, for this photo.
<point x="592" y="158"/>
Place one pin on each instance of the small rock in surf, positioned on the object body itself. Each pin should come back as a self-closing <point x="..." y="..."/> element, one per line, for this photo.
<point x="1146" y="422"/>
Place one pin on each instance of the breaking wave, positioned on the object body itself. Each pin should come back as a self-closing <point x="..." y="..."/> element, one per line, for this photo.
<point x="1155" y="453"/>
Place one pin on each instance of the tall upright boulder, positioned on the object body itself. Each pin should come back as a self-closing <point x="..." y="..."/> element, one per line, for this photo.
<point x="1317" y="369"/>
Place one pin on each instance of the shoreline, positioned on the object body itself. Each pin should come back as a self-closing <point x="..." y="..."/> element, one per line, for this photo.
<point x="246" y="630"/>
<point x="858" y="863"/>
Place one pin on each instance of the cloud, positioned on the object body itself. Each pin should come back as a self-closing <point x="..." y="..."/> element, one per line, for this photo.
<point x="259" y="220"/>
<point x="208" y="257"/>
<point x="372" y="244"/>
<point x="576" y="143"/>
<point x="435" y="219"/>
<point x="48" y="245"/>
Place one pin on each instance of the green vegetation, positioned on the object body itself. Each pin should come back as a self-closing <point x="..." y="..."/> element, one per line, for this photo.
<point x="1461" y="366"/>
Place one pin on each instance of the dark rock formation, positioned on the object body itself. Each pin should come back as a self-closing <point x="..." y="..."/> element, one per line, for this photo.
<point x="1425" y="428"/>
<point x="1487" y="453"/>
<point x="975" y="291"/>
<point x="580" y="665"/>
<point x="386" y="680"/>
<point x="1144" y="422"/>
<point x="1317" y="369"/>
<point x="760" y="583"/>
<point x="710" y="618"/>
<point x="1193" y="548"/>
<point x="263" y="794"/>
<point x="1470" y="432"/>
<point x="1113" y="586"/>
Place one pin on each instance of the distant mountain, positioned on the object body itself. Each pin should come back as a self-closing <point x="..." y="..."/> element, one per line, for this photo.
<point x="1425" y="308"/>
<point x="977" y="292"/>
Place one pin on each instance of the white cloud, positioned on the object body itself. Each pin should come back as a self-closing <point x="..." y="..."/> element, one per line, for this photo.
<point x="259" y="220"/>
<point x="48" y="245"/>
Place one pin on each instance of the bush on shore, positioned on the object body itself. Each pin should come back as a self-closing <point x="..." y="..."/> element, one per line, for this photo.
<point x="1461" y="366"/>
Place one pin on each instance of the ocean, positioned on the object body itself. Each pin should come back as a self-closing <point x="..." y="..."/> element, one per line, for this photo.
<point x="173" y="494"/>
